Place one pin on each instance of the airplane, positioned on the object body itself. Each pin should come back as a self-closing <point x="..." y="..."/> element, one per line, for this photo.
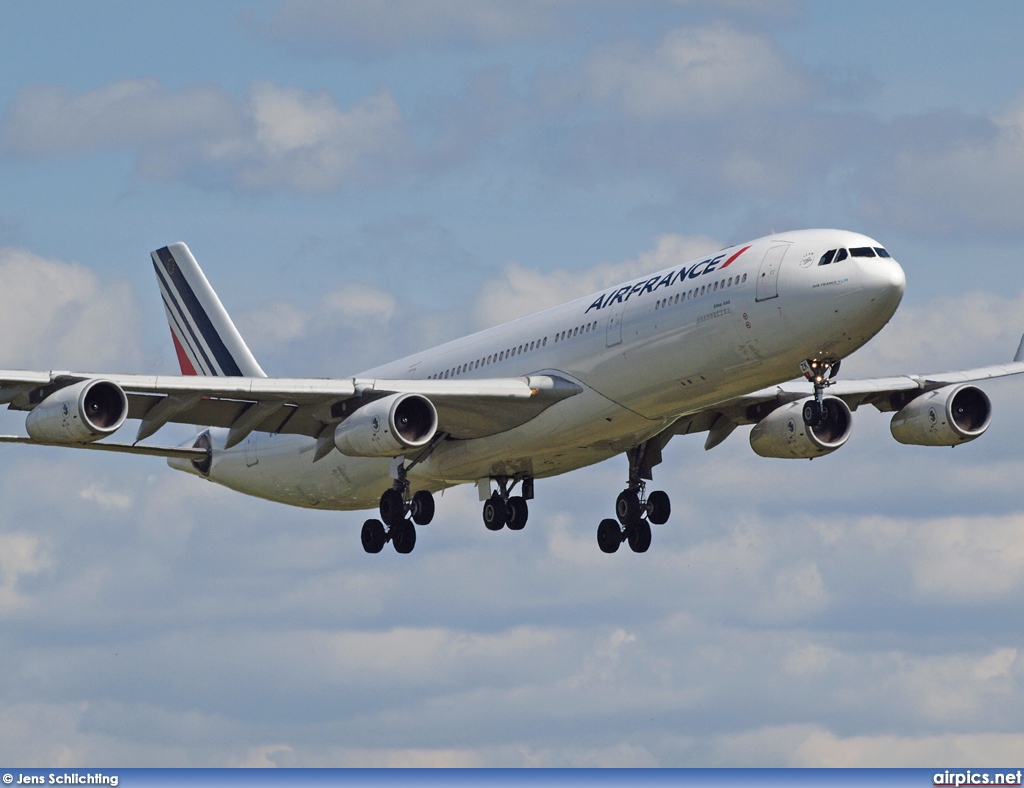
<point x="751" y="335"/>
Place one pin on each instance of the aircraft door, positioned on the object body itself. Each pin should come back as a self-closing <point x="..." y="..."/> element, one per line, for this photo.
<point x="614" y="335"/>
<point x="768" y="276"/>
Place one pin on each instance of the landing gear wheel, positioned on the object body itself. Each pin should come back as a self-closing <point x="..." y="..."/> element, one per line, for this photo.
<point x="403" y="536"/>
<point x="609" y="536"/>
<point x="639" y="537"/>
<point x="659" y="507"/>
<point x="517" y="513"/>
<point x="373" y="536"/>
<point x="627" y="507"/>
<point x="494" y="513"/>
<point x="422" y="508"/>
<point x="392" y="507"/>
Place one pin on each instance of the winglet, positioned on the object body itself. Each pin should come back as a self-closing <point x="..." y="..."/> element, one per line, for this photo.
<point x="1020" y="351"/>
<point x="205" y="339"/>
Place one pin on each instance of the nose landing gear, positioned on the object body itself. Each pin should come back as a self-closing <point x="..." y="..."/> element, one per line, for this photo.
<point x="821" y="373"/>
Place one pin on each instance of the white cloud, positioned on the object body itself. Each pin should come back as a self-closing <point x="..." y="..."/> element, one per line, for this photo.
<point x="809" y="746"/>
<point x="971" y="558"/>
<point x="357" y="305"/>
<point x="302" y="141"/>
<point x="695" y="73"/>
<point x="970" y="183"/>
<point x="104" y="498"/>
<point x="61" y="315"/>
<point x="357" y="309"/>
<point x="276" y="138"/>
<point x="44" y="121"/>
<point x="349" y="25"/>
<point x="20" y="555"/>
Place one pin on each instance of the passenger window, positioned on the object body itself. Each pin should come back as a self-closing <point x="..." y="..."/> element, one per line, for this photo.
<point x="840" y="255"/>
<point x="827" y="257"/>
<point x="744" y="277"/>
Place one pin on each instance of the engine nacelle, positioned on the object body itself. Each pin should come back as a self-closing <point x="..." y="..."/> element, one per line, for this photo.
<point x="387" y="427"/>
<point x="945" y="417"/>
<point x="782" y="433"/>
<point x="80" y="413"/>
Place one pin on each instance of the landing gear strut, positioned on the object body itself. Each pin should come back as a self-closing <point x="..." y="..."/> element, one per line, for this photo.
<point x="634" y="511"/>
<point x="502" y="508"/>
<point x="821" y="373"/>
<point x="398" y="512"/>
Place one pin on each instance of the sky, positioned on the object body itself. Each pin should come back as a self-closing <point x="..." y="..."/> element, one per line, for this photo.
<point x="363" y="180"/>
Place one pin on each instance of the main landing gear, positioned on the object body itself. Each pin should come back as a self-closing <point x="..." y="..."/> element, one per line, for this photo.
<point x="633" y="511"/>
<point x="820" y="372"/>
<point x="502" y="509"/>
<point x="398" y="512"/>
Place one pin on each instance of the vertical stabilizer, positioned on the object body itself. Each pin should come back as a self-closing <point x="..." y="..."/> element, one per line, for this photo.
<point x="205" y="338"/>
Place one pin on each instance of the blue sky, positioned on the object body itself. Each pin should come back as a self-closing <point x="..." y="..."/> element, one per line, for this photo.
<point x="362" y="180"/>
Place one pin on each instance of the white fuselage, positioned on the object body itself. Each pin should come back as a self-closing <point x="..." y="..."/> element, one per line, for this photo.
<point x="644" y="353"/>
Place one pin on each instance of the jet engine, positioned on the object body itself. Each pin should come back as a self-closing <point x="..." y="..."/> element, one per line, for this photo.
<point x="387" y="427"/>
<point x="945" y="417"/>
<point x="783" y="433"/>
<point x="80" y="413"/>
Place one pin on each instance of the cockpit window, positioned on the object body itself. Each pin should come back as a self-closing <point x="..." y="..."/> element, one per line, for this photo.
<point x="881" y="252"/>
<point x="862" y="251"/>
<point x="840" y="256"/>
<point x="827" y="257"/>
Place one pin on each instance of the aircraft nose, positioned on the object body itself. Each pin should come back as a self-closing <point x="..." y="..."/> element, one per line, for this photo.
<point x="884" y="280"/>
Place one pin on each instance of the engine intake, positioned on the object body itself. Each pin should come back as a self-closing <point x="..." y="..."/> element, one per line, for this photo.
<point x="945" y="417"/>
<point x="783" y="433"/>
<point x="80" y="413"/>
<point x="387" y="427"/>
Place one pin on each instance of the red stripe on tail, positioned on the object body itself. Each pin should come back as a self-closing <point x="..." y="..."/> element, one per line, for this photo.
<point x="183" y="360"/>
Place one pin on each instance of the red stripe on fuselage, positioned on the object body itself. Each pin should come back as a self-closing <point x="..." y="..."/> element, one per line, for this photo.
<point x="183" y="360"/>
<point x="727" y="262"/>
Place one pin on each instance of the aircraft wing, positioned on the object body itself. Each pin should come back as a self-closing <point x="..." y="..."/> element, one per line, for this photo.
<point x="470" y="408"/>
<point x="886" y="394"/>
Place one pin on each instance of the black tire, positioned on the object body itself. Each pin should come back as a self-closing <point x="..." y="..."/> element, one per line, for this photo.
<point x="495" y="512"/>
<point x="659" y="507"/>
<point x="639" y="537"/>
<point x="403" y="537"/>
<point x="609" y="536"/>
<point x="373" y="536"/>
<point x="812" y="414"/>
<point x="392" y="508"/>
<point x="517" y="514"/>
<point x="627" y="507"/>
<point x="422" y="508"/>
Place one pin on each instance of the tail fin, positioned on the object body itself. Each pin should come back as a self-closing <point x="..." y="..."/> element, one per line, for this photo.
<point x="205" y="339"/>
